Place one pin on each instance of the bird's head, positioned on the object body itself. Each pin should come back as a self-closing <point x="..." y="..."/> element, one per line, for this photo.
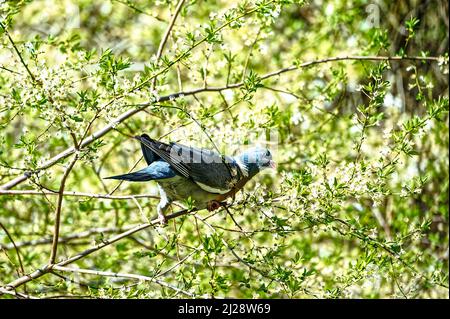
<point x="255" y="160"/>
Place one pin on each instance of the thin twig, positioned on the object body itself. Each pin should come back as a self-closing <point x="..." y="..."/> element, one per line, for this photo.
<point x="144" y="217"/>
<point x="166" y="35"/>
<point x="18" y="52"/>
<point x="9" y="70"/>
<point x="177" y="264"/>
<point x="247" y="60"/>
<point x="239" y="258"/>
<point x="131" y="6"/>
<point x="122" y="275"/>
<point x="22" y="270"/>
<point x="76" y="194"/>
<point x="232" y="218"/>
<point x="122" y="181"/>
<point x="66" y="239"/>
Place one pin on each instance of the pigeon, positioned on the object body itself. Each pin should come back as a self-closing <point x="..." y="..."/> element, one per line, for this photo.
<point x="203" y="175"/>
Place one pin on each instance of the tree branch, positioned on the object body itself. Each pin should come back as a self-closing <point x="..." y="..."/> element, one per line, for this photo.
<point x="58" y="210"/>
<point x="17" y="294"/>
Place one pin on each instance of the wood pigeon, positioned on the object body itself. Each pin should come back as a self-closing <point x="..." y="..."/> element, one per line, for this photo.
<point x="204" y="175"/>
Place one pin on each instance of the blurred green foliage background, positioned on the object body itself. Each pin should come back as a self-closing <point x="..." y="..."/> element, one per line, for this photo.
<point x="358" y="207"/>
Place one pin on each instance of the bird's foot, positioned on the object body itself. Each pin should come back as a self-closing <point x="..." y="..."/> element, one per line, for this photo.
<point x="213" y="205"/>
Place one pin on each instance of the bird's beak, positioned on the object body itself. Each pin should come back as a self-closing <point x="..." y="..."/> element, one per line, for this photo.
<point x="272" y="164"/>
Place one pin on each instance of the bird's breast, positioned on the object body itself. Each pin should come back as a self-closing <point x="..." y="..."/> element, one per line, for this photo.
<point x="180" y="189"/>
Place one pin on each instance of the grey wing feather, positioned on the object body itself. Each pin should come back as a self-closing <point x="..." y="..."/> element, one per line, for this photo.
<point x="148" y="154"/>
<point x="211" y="171"/>
<point x="164" y="151"/>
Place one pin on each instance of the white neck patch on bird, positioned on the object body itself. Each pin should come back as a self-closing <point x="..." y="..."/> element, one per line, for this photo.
<point x="242" y="166"/>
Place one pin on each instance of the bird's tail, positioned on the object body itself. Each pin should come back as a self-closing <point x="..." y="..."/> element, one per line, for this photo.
<point x="138" y="176"/>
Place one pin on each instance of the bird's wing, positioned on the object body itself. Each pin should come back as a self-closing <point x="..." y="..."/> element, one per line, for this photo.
<point x="149" y="155"/>
<point x="211" y="171"/>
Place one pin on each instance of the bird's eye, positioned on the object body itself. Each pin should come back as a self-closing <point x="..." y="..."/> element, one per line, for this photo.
<point x="268" y="153"/>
